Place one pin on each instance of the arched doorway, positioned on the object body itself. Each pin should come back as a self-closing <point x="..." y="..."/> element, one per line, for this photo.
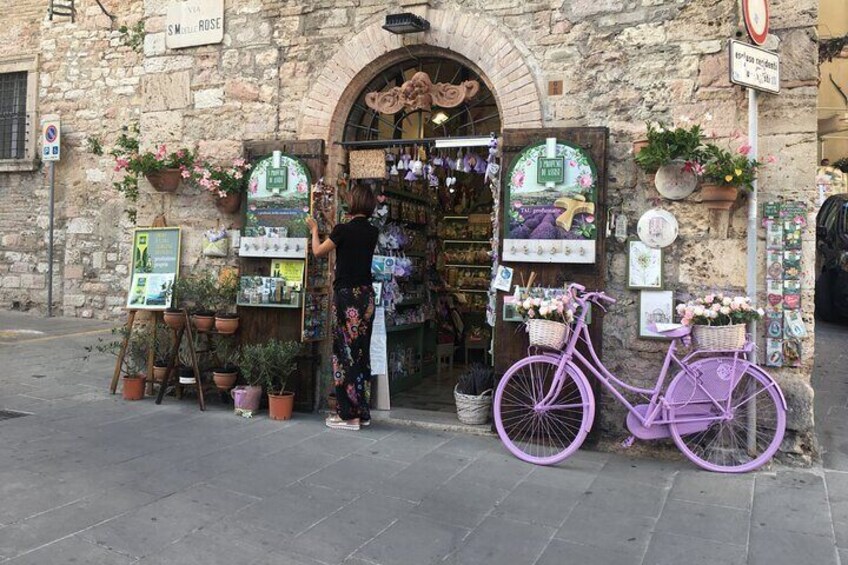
<point x="437" y="216"/>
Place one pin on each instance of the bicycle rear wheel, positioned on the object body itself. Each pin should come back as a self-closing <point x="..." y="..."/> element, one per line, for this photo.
<point x="741" y="440"/>
<point x="538" y="434"/>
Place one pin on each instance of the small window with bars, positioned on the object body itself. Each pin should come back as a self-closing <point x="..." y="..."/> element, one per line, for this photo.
<point x="13" y="115"/>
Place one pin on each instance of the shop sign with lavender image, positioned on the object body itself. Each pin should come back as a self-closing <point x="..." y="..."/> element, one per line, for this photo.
<point x="539" y="209"/>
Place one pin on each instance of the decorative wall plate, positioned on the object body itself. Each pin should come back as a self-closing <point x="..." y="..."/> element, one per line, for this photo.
<point x="657" y="228"/>
<point x="674" y="182"/>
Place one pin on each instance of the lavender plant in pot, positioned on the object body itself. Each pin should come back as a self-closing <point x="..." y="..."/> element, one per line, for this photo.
<point x="473" y="394"/>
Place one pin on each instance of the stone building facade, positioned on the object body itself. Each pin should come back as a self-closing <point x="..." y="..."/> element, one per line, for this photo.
<point x="284" y="70"/>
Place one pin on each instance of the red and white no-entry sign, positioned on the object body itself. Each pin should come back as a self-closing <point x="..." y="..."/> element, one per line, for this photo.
<point x="756" y="13"/>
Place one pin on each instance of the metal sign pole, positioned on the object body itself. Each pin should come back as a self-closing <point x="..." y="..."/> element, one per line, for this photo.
<point x="52" y="174"/>
<point x="753" y="133"/>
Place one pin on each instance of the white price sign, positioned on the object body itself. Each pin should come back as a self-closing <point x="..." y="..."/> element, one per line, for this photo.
<point x="754" y="67"/>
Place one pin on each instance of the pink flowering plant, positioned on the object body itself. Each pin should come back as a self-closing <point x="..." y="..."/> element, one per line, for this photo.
<point x="220" y="180"/>
<point x="718" y="310"/>
<point x="134" y="163"/>
<point x="560" y="308"/>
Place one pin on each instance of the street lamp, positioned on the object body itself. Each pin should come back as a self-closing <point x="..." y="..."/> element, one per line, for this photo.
<point x="405" y="23"/>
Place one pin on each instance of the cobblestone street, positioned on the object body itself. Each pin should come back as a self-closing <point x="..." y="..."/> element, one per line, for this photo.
<point x="89" y="478"/>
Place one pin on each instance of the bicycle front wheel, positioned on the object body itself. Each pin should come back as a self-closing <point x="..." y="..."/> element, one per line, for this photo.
<point x="543" y="433"/>
<point x="736" y="439"/>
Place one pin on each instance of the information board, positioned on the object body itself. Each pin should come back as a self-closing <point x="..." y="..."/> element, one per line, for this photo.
<point x="154" y="268"/>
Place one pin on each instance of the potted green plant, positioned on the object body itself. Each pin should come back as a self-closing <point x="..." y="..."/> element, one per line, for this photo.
<point x="253" y="365"/>
<point x="669" y="147"/>
<point x="226" y="183"/>
<point x="226" y="319"/>
<point x="162" y="169"/>
<point x="281" y="358"/>
<point x="199" y="294"/>
<point x="473" y="394"/>
<point x="133" y="362"/>
<point x="725" y="173"/>
<point x="174" y="316"/>
<point x="225" y="373"/>
<point x="163" y="345"/>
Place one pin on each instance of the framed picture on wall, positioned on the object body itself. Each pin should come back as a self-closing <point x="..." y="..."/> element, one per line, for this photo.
<point x="655" y="307"/>
<point x="644" y="266"/>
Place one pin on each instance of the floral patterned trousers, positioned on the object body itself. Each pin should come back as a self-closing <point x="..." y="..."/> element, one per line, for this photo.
<point x="353" y="314"/>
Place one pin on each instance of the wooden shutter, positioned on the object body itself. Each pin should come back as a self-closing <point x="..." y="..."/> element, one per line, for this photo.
<point x="511" y="345"/>
<point x="261" y="324"/>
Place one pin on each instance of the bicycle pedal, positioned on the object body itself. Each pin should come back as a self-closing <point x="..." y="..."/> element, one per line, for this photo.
<point x="628" y="443"/>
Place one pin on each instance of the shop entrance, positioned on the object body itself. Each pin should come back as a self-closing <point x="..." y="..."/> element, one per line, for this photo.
<point x="427" y="159"/>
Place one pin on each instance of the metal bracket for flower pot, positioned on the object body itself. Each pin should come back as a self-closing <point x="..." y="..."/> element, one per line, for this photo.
<point x="184" y="332"/>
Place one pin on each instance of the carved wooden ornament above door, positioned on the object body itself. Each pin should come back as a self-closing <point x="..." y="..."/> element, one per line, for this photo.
<point x="419" y="93"/>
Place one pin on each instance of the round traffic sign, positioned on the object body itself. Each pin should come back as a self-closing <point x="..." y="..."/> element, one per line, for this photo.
<point x="756" y="13"/>
<point x="51" y="133"/>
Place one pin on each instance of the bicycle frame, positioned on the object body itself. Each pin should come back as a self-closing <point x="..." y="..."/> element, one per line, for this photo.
<point x="657" y="408"/>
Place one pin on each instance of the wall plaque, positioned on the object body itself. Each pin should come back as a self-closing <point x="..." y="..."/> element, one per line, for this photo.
<point x="194" y="22"/>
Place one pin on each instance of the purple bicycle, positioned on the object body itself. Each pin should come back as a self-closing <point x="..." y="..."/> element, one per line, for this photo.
<point x="723" y="412"/>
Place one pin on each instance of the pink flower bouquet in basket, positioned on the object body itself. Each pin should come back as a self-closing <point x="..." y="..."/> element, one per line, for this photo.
<point x="548" y="318"/>
<point x="718" y="321"/>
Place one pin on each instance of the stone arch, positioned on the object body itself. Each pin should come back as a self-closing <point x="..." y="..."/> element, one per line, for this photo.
<point x="499" y="60"/>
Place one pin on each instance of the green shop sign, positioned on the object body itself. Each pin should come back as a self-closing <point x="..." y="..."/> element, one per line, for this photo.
<point x="278" y="179"/>
<point x="550" y="170"/>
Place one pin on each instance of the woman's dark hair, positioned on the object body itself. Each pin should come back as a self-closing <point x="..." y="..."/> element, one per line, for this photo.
<point x="362" y="201"/>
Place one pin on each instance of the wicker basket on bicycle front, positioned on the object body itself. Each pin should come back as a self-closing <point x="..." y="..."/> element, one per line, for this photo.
<point x="719" y="337"/>
<point x="547" y="333"/>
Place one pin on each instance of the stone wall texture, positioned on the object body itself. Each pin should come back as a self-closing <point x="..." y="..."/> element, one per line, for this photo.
<point x="284" y="67"/>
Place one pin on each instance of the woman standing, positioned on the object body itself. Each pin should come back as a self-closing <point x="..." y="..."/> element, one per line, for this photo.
<point x="353" y="308"/>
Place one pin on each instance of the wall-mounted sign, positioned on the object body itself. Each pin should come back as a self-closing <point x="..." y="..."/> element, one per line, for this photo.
<point x="551" y="170"/>
<point x="155" y="267"/>
<point x="51" y="138"/>
<point x="756" y="14"/>
<point x="754" y="67"/>
<point x="278" y="198"/>
<point x="194" y="22"/>
<point x="550" y="205"/>
<point x="278" y="179"/>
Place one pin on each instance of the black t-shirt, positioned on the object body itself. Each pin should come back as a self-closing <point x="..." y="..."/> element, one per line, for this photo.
<point x="355" y="242"/>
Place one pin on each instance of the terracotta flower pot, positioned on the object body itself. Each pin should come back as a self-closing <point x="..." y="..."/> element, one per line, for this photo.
<point x="133" y="387"/>
<point x="331" y="402"/>
<point x="230" y="204"/>
<point x="280" y="406"/>
<point x="719" y="197"/>
<point x="224" y="381"/>
<point x="226" y="324"/>
<point x="174" y="319"/>
<point x="159" y="373"/>
<point x="166" y="180"/>
<point x="203" y="322"/>
<point x="639" y="145"/>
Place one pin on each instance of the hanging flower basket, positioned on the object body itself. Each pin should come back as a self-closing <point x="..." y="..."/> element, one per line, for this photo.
<point x="719" y="337"/>
<point x="547" y="333"/>
<point x="229" y="204"/>
<point x="165" y="180"/>
<point x="719" y="197"/>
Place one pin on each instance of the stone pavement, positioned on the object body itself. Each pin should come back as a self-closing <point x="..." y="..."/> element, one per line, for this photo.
<point x="89" y="478"/>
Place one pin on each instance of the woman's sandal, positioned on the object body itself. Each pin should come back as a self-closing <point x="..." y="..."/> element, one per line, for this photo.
<point x="337" y="423"/>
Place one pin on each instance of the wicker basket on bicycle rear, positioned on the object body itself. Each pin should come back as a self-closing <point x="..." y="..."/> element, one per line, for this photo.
<point x="547" y="333"/>
<point x="719" y="337"/>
